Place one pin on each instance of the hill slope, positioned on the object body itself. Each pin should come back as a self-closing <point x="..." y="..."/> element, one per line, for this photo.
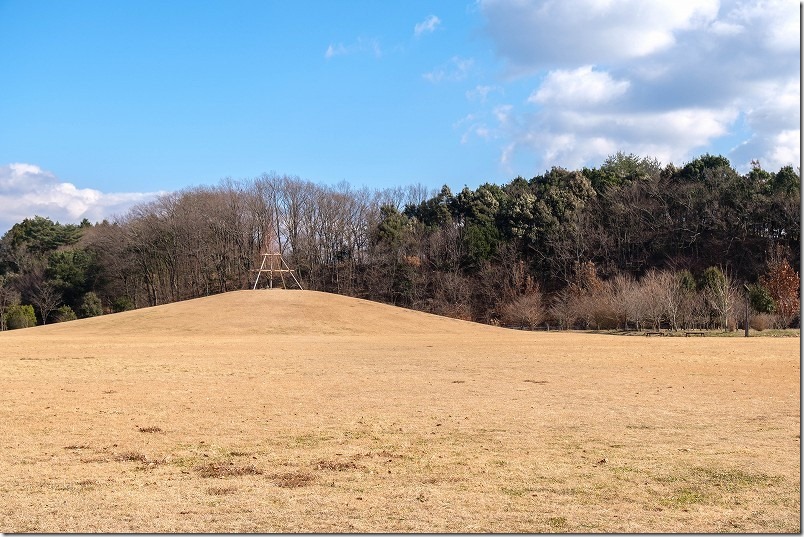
<point x="289" y="312"/>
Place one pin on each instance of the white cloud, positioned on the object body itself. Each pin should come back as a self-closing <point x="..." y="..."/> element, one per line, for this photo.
<point x="507" y="155"/>
<point x="27" y="191"/>
<point x="786" y="149"/>
<point x="722" y="28"/>
<point x="503" y="113"/>
<point x="362" y="45"/>
<point x="775" y="22"/>
<point x="772" y="115"/>
<point x="574" y="139"/>
<point x="473" y="126"/>
<point x="774" y="104"/>
<point x="578" y="87"/>
<point x="427" y="26"/>
<point x="335" y="50"/>
<point x="531" y="35"/>
<point x="666" y="78"/>
<point x="481" y="92"/>
<point x="455" y="70"/>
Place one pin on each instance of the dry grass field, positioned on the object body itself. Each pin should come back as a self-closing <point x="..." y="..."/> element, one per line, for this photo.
<point x="290" y="411"/>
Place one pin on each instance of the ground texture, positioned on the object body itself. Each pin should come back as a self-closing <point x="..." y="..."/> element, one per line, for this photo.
<point x="291" y="411"/>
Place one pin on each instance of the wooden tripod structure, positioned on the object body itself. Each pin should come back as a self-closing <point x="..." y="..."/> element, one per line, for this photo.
<point x="276" y="263"/>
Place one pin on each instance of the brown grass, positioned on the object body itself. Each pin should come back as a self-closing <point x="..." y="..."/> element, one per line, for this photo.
<point x="220" y="491"/>
<point x="291" y="480"/>
<point x="283" y="411"/>
<point x="213" y="469"/>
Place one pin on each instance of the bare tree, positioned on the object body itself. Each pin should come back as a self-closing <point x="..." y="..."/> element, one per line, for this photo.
<point x="46" y="299"/>
<point x="672" y="294"/>
<point x="621" y="290"/>
<point x="561" y="309"/>
<point x="721" y="294"/>
<point x="651" y="289"/>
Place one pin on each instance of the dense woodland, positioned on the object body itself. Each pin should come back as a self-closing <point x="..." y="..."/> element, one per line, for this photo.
<point x="629" y="245"/>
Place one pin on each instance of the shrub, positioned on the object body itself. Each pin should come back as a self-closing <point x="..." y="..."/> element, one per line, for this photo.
<point x="761" y="299"/>
<point x="525" y="310"/>
<point x="20" y="316"/>
<point x="782" y="283"/>
<point x="763" y="321"/>
<point x="65" y="313"/>
<point x="90" y="306"/>
<point x="122" y="303"/>
<point x="562" y="311"/>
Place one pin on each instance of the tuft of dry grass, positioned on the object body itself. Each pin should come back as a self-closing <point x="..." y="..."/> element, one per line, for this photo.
<point x="131" y="456"/>
<point x="226" y="469"/>
<point x="291" y="480"/>
<point x="337" y="466"/>
<point x="221" y="491"/>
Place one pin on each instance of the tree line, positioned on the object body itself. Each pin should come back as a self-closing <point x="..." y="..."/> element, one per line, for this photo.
<point x="629" y="244"/>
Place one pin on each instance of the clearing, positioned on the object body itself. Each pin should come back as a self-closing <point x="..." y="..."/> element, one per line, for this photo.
<point x="297" y="411"/>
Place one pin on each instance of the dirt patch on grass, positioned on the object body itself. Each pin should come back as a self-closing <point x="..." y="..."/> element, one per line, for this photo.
<point x="226" y="469"/>
<point x="131" y="456"/>
<point x="336" y="466"/>
<point x="221" y="491"/>
<point x="291" y="480"/>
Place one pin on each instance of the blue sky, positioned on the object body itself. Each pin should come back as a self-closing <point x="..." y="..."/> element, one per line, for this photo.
<point x="105" y="103"/>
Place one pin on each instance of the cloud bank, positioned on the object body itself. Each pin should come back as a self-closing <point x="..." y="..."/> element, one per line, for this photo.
<point x="26" y="191"/>
<point x="663" y="78"/>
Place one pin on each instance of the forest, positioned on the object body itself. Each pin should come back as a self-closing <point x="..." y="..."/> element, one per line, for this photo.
<point x="628" y="245"/>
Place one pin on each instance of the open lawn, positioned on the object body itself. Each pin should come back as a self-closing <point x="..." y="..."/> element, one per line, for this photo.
<point x="296" y="411"/>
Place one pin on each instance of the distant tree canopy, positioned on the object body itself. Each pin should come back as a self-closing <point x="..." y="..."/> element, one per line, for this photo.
<point x="579" y="244"/>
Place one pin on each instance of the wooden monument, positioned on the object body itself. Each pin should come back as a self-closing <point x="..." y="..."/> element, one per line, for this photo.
<point x="273" y="262"/>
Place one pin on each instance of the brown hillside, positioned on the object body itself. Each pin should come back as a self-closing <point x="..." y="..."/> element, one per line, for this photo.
<point x="289" y="411"/>
<point x="264" y="312"/>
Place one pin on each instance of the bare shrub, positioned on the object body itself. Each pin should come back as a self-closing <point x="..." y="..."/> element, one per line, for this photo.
<point x="453" y="296"/>
<point x="601" y="312"/>
<point x="525" y="310"/>
<point x="447" y="309"/>
<point x="763" y="321"/>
